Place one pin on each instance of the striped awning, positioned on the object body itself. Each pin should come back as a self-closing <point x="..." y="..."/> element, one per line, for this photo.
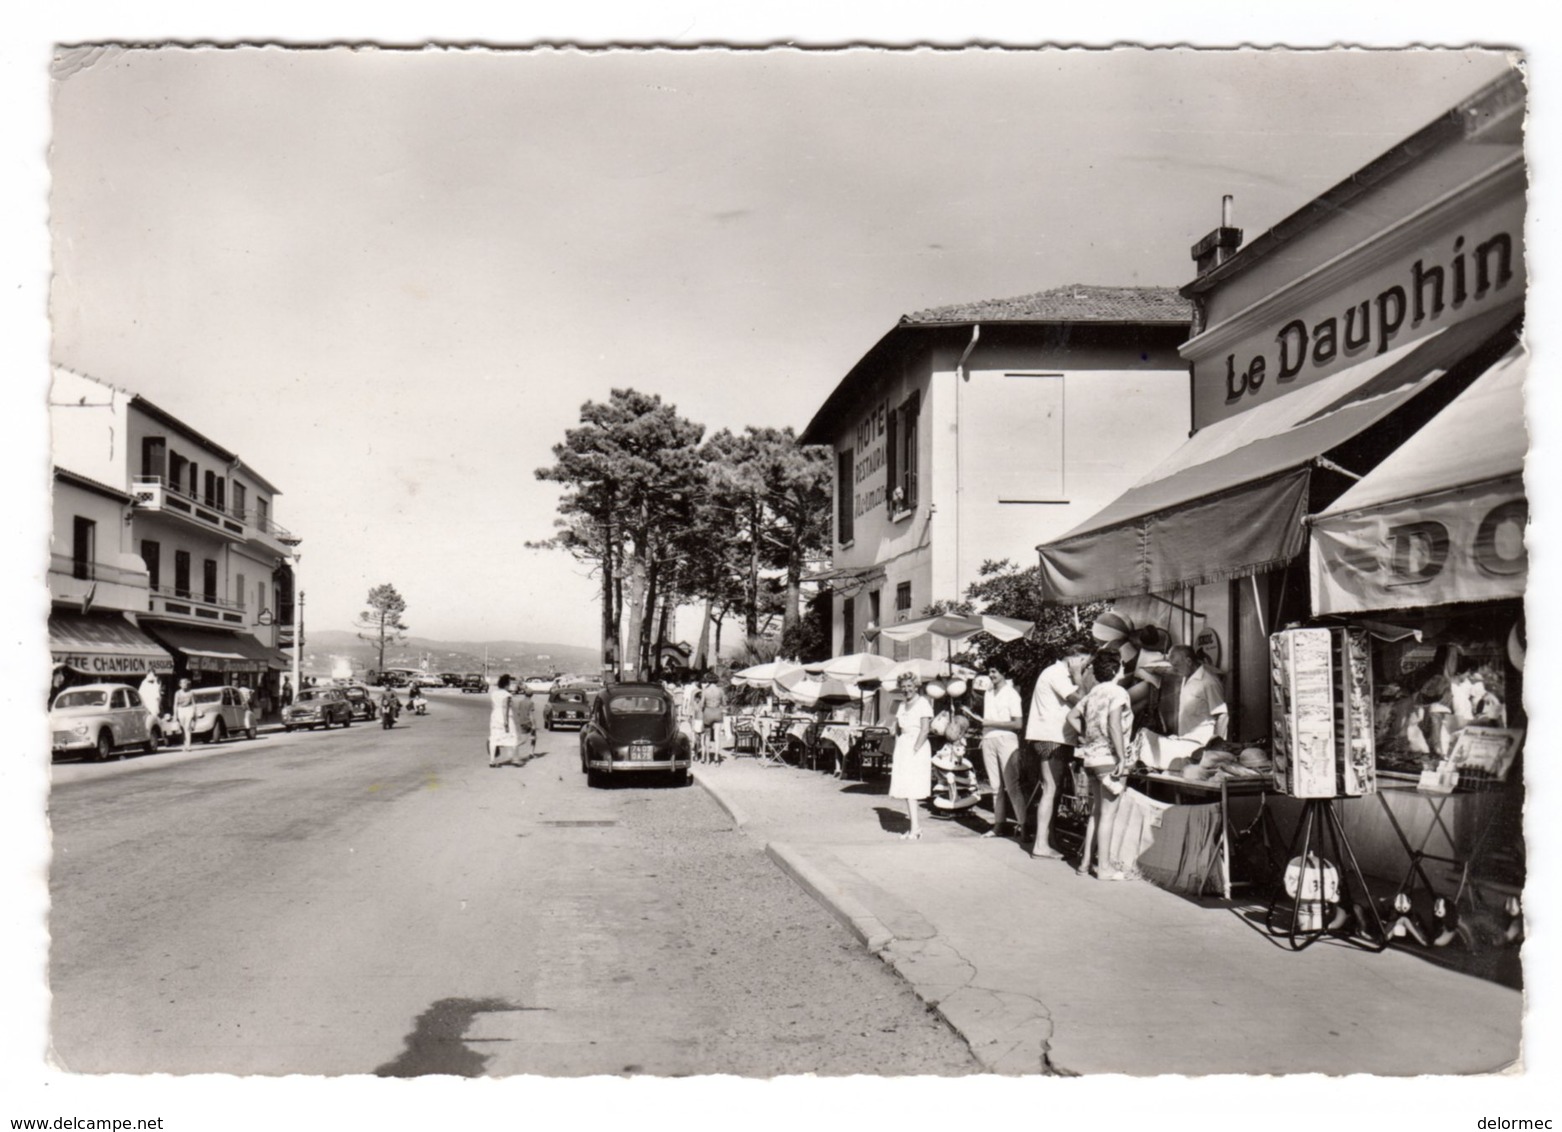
<point x="104" y="644"/>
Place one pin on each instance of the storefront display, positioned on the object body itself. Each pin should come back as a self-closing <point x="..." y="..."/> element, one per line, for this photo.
<point x="1324" y="742"/>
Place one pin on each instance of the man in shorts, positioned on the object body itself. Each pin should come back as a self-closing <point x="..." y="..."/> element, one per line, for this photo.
<point x="1003" y="715"/>
<point x="1057" y="689"/>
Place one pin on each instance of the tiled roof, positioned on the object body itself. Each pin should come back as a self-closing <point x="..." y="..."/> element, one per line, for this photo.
<point x="1071" y="303"/>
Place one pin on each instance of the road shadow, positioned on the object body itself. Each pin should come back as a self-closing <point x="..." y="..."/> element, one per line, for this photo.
<point x="892" y="820"/>
<point x="438" y="1044"/>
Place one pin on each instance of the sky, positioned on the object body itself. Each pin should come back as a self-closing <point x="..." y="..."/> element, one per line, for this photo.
<point x="389" y="279"/>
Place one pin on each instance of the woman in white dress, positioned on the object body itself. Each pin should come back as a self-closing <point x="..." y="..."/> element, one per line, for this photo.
<point x="501" y="723"/>
<point x="911" y="765"/>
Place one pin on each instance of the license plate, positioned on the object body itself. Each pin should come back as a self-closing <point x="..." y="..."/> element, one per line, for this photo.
<point x="640" y="754"/>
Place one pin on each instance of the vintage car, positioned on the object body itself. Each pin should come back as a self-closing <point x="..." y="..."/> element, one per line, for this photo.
<point x="568" y="706"/>
<point x="219" y="712"/>
<point x="427" y="680"/>
<point x="474" y="682"/>
<point x="364" y="703"/>
<point x="100" y="720"/>
<point x="632" y="729"/>
<point x="538" y="685"/>
<point x="317" y="707"/>
<point x="450" y="679"/>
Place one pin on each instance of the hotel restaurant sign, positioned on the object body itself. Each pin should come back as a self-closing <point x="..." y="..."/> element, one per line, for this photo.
<point x="1455" y="259"/>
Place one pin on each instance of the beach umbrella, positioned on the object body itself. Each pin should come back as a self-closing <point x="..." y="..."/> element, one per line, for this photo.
<point x="957" y="628"/>
<point x="809" y="691"/>
<point x="762" y="675"/>
<point x="858" y="668"/>
<point x="924" y="670"/>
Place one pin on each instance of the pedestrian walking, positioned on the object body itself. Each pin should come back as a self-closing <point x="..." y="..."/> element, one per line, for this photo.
<point x="911" y="764"/>
<point x="502" y="735"/>
<point x="525" y="721"/>
<point x="247" y="702"/>
<point x="712" y="710"/>
<point x="184" y="711"/>
<point x="151" y="692"/>
<point x="287" y="691"/>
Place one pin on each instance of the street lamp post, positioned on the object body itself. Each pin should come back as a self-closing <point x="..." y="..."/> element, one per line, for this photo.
<point x="298" y="614"/>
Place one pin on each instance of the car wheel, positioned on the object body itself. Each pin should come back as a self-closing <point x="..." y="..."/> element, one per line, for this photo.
<point x="288" y="728"/>
<point x="253" y="731"/>
<point x="218" y="733"/>
<point x="594" y="779"/>
<point x="683" y="777"/>
<point x="347" y="721"/>
<point x="105" y="749"/>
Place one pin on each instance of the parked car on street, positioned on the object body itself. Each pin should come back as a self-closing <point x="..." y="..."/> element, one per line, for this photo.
<point x="317" y="707"/>
<point x="219" y="712"/>
<point x="100" y="720"/>
<point x="632" y="729"/>
<point x="474" y="682"/>
<point x="450" y="679"/>
<point x="361" y="702"/>
<point x="538" y="685"/>
<point x="427" y="680"/>
<point x="569" y="706"/>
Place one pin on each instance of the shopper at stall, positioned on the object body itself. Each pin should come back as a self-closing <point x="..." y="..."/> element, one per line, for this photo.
<point x="1002" y="717"/>
<point x="911" y="765"/>
<point x="1104" y="721"/>
<point x="1058" y="688"/>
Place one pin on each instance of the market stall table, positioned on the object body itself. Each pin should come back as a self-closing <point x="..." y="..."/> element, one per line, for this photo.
<point x="1219" y="791"/>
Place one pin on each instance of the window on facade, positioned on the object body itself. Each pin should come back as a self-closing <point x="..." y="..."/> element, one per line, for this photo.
<point x="154" y="456"/>
<point x="900" y="452"/>
<point x="848" y="624"/>
<point x="240" y="591"/>
<point x="222" y="493"/>
<point x="903" y="598"/>
<point x="875" y="615"/>
<point x="177" y="469"/>
<point x="84" y="547"/>
<point x="262" y="510"/>
<point x="151" y="554"/>
<point x="194" y="489"/>
<point x="211" y="489"/>
<point x="1032" y="403"/>
<point x="845" y="491"/>
<point x="182" y="573"/>
<point x="209" y="580"/>
<point x="238" y="499"/>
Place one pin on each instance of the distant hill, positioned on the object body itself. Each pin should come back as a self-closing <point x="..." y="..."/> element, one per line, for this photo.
<point x="323" y="646"/>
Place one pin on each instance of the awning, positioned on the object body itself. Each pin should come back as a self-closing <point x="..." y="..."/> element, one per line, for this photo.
<point x="104" y="645"/>
<point x="1442" y="519"/>
<point x="208" y="650"/>
<point x="1232" y="500"/>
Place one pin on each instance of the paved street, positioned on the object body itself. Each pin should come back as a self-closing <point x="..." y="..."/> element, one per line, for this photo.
<point x="373" y="902"/>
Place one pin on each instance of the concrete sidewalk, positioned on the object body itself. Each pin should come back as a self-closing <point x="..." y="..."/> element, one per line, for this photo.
<point x="1044" y="971"/>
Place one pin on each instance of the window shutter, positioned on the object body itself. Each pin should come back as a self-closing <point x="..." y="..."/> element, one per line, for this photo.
<point x="909" y="415"/>
<point x="891" y="451"/>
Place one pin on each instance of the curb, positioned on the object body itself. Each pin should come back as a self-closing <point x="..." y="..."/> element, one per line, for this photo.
<point x="858" y="920"/>
<point x="732" y="809"/>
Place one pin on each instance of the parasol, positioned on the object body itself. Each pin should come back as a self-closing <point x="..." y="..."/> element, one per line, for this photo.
<point x="957" y="628"/>
<point x="763" y="675"/>
<point x="858" y="668"/>
<point x="1114" y="628"/>
<point x="810" y="691"/>
<point x="924" y="670"/>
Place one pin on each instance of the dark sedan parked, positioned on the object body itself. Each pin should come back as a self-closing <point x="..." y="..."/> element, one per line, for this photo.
<point x="632" y="729"/>
<point x="569" y="707"/>
<point x="362" y="702"/>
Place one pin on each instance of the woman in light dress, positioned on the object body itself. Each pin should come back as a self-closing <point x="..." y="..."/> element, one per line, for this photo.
<point x="184" y="710"/>
<point x="911" y="764"/>
<point x="501" y="723"/>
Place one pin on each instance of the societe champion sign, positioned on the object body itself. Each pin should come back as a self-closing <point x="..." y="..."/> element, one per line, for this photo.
<point x="113" y="664"/>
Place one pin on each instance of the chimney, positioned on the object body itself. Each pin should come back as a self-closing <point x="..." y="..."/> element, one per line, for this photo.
<point x="1221" y="244"/>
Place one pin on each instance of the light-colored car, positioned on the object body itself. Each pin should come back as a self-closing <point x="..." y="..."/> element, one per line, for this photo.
<point x="317" y="707"/>
<point x="428" y="680"/>
<point x="219" y="712"/>
<point x="538" y="685"/>
<point x="101" y="720"/>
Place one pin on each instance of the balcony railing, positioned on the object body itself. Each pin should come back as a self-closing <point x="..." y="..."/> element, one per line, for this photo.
<point x="95" y="571"/>
<point x="195" y="606"/>
<point x="156" y="494"/>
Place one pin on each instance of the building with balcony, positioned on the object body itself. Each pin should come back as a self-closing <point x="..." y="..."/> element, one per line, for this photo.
<point x="213" y="565"/>
<point x="969" y="433"/>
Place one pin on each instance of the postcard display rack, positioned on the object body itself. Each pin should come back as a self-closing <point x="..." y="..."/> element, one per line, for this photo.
<point x="1321" y="683"/>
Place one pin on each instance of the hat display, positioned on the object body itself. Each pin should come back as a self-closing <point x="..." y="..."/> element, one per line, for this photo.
<point x="957" y="688"/>
<point x="934" y="691"/>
